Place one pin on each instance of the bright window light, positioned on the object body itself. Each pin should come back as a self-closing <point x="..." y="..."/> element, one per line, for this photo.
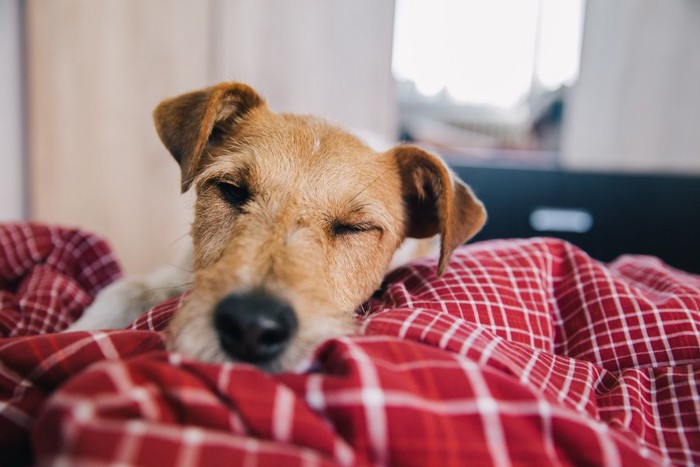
<point x="559" y="44"/>
<point x="487" y="53"/>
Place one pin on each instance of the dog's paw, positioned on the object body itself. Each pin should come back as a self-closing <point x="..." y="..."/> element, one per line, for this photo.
<point x="122" y="302"/>
<point x="116" y="306"/>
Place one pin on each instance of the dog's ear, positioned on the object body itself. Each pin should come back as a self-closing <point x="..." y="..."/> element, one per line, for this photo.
<point x="187" y="123"/>
<point x="436" y="201"/>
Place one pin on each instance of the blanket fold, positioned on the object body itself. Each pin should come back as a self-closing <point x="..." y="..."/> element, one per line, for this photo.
<point x="523" y="352"/>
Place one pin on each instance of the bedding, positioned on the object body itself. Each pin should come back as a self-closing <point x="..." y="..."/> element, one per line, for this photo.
<point x="523" y="352"/>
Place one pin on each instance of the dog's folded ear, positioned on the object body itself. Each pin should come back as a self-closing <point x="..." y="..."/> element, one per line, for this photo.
<point x="436" y="201"/>
<point x="187" y="123"/>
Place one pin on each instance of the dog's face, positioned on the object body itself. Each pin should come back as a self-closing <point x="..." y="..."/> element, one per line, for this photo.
<point x="295" y="224"/>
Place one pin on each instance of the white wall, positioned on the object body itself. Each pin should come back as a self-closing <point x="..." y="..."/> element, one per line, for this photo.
<point x="636" y="106"/>
<point x="330" y="58"/>
<point x="11" y="114"/>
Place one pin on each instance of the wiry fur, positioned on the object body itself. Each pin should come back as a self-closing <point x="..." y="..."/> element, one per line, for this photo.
<point x="305" y="177"/>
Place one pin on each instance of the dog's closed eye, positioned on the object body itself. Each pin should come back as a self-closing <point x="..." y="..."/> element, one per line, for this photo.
<point x="235" y="195"/>
<point x="340" y="229"/>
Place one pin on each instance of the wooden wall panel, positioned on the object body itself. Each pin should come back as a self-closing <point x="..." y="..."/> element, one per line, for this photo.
<point x="96" y="69"/>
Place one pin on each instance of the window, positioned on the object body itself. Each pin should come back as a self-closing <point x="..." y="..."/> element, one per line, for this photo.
<point x="486" y="80"/>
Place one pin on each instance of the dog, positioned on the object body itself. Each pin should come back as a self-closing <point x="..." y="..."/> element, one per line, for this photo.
<point x="295" y="224"/>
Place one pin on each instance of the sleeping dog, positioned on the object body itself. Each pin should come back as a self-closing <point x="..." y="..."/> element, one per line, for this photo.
<point x="296" y="222"/>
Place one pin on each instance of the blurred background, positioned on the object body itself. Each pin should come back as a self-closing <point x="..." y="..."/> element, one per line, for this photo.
<point x="559" y="98"/>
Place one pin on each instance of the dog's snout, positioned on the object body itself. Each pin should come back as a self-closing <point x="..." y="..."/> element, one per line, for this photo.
<point x="254" y="327"/>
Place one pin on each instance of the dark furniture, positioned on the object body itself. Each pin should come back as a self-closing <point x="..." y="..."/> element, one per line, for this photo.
<point x="605" y="214"/>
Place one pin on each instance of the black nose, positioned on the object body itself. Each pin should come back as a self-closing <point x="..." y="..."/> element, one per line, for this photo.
<point x="254" y="327"/>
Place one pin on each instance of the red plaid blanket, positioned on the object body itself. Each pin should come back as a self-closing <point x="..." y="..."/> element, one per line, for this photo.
<point x="524" y="352"/>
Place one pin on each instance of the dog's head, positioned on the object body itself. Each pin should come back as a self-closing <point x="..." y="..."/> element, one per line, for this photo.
<point x="295" y="223"/>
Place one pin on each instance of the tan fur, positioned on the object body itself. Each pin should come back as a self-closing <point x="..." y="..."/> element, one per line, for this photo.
<point x="305" y="176"/>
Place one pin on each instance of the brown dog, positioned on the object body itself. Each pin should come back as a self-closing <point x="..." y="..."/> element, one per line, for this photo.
<point x="296" y="222"/>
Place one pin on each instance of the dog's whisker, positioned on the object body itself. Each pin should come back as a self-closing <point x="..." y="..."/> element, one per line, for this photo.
<point x="180" y="238"/>
<point x="361" y="311"/>
<point x="180" y="267"/>
<point x="173" y="286"/>
<point x="370" y="184"/>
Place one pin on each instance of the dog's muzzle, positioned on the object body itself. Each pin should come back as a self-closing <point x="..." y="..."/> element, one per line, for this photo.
<point x="254" y="327"/>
